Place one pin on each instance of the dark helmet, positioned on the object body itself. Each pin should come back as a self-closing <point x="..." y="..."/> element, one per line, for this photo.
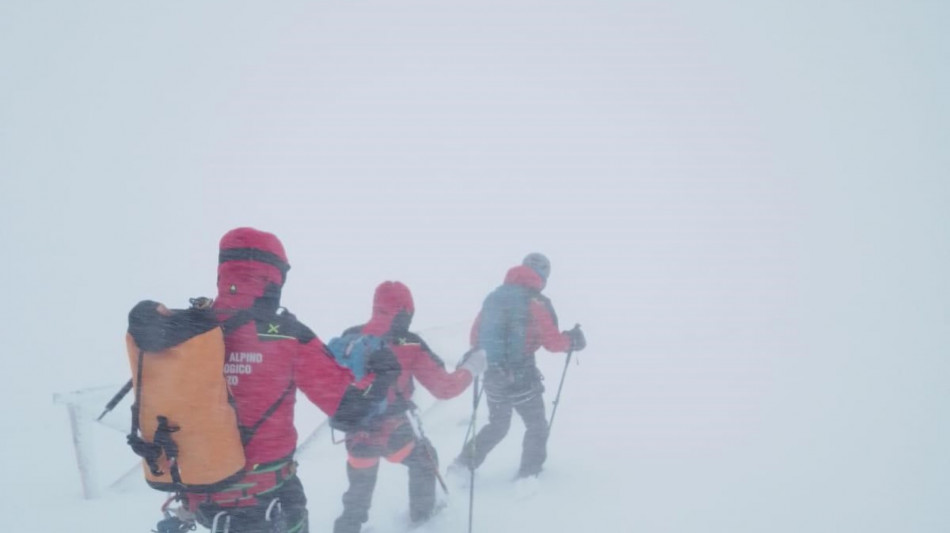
<point x="539" y="263"/>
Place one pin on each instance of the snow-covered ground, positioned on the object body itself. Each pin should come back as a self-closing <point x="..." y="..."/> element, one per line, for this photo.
<point x="501" y="504"/>
<point x="745" y="204"/>
<point x="613" y="463"/>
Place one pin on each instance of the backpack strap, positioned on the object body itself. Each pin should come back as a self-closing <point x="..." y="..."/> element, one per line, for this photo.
<point x="231" y="324"/>
<point x="138" y="395"/>
<point x="163" y="440"/>
<point x="237" y="320"/>
<point x="247" y="433"/>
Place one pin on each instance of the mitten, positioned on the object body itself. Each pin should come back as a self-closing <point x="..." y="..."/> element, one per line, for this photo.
<point x="578" y="342"/>
<point x="476" y="361"/>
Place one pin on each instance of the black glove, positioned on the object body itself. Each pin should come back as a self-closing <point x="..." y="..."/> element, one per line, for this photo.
<point x="578" y="342"/>
<point x="384" y="365"/>
<point x="354" y="408"/>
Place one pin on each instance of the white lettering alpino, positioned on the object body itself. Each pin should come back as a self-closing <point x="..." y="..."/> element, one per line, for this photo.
<point x="245" y="357"/>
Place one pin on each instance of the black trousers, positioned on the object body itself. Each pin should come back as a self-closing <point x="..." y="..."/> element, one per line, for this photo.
<point x="422" y="463"/>
<point x="533" y="447"/>
<point x="287" y="515"/>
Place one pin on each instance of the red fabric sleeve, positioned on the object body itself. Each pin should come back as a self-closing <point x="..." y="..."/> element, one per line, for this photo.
<point x="432" y="375"/>
<point x="319" y="376"/>
<point x="548" y="334"/>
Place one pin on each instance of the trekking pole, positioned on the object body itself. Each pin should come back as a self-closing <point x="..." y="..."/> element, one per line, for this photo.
<point x="421" y="437"/>
<point x="116" y="399"/>
<point x="557" y="398"/>
<point x="476" y="396"/>
<point x="471" y="425"/>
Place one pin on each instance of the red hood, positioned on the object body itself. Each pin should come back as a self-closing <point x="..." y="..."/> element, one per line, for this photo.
<point x="524" y="276"/>
<point x="250" y="260"/>
<point x="390" y="298"/>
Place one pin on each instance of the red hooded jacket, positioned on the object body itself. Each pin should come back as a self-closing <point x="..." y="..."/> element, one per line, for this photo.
<point x="392" y="303"/>
<point x="272" y="355"/>
<point x="542" y="329"/>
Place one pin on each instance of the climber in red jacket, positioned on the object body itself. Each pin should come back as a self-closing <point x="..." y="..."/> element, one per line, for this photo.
<point x="269" y="356"/>
<point x="392" y="435"/>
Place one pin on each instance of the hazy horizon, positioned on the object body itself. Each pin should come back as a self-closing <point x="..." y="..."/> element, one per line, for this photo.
<point x="745" y="205"/>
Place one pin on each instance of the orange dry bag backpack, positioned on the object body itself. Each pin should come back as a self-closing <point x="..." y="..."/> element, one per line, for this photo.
<point x="183" y="423"/>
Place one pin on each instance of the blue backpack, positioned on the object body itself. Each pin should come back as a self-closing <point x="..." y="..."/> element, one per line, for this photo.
<point x="503" y="324"/>
<point x="352" y="350"/>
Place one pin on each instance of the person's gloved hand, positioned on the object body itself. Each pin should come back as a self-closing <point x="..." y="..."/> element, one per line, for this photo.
<point x="475" y="361"/>
<point x="578" y="342"/>
<point x="386" y="368"/>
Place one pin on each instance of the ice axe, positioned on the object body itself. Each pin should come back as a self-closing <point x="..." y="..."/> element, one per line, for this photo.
<point x="116" y="399"/>
<point x="415" y="422"/>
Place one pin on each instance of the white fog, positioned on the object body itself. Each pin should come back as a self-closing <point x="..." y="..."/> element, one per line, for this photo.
<point x="745" y="205"/>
